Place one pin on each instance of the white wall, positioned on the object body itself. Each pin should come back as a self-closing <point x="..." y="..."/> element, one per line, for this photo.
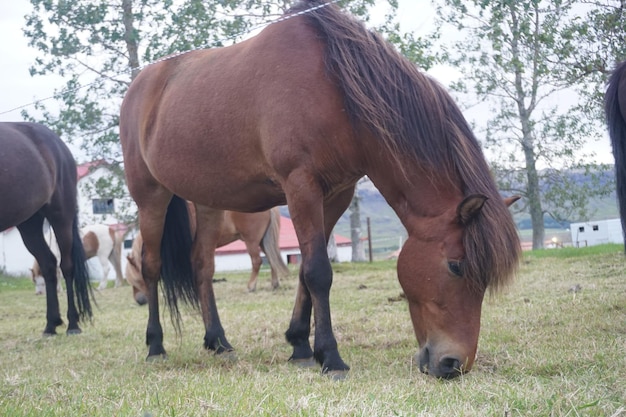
<point x="14" y="258"/>
<point x="86" y="193"/>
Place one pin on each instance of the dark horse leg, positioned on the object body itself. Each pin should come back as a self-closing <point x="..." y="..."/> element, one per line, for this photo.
<point x="315" y="280"/>
<point x="34" y="240"/>
<point x="151" y="221"/>
<point x="167" y="254"/>
<point x="208" y="227"/>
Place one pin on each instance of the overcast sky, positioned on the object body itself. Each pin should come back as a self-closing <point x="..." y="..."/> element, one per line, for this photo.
<point x="18" y="88"/>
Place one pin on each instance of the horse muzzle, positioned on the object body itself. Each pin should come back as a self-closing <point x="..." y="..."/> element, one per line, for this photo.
<point x="445" y="366"/>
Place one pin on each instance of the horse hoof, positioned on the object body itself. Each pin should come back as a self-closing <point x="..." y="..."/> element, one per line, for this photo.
<point x="227" y="356"/>
<point x="337" y="375"/>
<point x="304" y="362"/>
<point x="73" y="331"/>
<point x="49" y="334"/>
<point x="162" y="357"/>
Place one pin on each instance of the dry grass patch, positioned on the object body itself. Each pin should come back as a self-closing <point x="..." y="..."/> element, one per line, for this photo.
<point x="544" y="351"/>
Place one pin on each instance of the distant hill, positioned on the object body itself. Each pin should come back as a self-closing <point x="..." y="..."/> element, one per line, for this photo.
<point x="388" y="233"/>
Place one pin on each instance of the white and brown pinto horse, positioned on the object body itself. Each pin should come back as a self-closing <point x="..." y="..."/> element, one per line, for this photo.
<point x="99" y="240"/>
<point x="259" y="231"/>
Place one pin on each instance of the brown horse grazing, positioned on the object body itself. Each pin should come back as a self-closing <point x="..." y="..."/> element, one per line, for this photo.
<point x="259" y="231"/>
<point x="37" y="182"/>
<point x="615" y="110"/>
<point x="297" y="115"/>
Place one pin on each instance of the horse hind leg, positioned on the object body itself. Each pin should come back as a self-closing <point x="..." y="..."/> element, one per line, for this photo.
<point x="104" y="262"/>
<point x="255" y="257"/>
<point x="32" y="235"/>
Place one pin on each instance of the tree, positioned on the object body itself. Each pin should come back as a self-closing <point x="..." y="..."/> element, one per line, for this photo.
<point x="358" y="252"/>
<point x="595" y="42"/>
<point x="511" y="57"/>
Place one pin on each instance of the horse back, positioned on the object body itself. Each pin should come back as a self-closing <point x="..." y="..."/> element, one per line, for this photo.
<point x="252" y="113"/>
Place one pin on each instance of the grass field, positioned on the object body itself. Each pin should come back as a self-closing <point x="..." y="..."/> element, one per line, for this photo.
<point x="544" y="351"/>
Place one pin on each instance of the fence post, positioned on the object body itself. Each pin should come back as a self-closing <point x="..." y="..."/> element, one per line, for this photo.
<point x="369" y="238"/>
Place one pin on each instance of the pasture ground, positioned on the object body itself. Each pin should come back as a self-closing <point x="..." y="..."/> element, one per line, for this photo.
<point x="544" y="351"/>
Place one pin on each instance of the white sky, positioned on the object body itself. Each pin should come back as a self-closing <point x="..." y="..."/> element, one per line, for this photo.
<point x="18" y="88"/>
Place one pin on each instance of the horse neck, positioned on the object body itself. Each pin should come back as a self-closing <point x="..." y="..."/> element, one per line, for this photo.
<point x="414" y="192"/>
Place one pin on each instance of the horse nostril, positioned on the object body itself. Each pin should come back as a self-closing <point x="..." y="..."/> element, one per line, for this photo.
<point x="422" y="359"/>
<point x="449" y="367"/>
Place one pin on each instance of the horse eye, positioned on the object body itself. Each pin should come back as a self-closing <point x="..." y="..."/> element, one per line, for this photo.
<point x="456" y="267"/>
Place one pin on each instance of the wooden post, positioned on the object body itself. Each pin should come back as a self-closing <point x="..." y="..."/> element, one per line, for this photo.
<point x="369" y="238"/>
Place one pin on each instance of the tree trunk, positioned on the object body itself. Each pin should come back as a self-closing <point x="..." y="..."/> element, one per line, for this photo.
<point x="358" y="251"/>
<point x="534" y="200"/>
<point x="130" y="37"/>
<point x="526" y="102"/>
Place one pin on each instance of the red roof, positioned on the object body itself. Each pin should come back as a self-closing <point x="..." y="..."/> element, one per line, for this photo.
<point x="288" y="239"/>
<point x="84" y="169"/>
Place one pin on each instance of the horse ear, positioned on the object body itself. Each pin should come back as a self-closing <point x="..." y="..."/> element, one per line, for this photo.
<point x="469" y="208"/>
<point x="510" y="200"/>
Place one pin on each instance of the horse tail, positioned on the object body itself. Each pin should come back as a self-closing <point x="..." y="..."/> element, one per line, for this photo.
<point x="617" y="132"/>
<point x="82" y="285"/>
<point x="270" y="244"/>
<point x="177" y="275"/>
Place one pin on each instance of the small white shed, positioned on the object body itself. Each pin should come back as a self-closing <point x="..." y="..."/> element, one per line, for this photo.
<point x="596" y="232"/>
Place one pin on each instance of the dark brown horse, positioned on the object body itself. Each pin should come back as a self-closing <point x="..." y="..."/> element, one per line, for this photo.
<point x="38" y="182"/>
<point x="259" y="231"/>
<point x="615" y="110"/>
<point x="297" y="115"/>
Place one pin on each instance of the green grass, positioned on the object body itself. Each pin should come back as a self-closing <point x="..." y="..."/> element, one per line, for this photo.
<point x="572" y="252"/>
<point x="543" y="351"/>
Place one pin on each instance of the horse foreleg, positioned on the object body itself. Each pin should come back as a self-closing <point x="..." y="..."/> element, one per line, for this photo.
<point x="104" y="262"/>
<point x="314" y="225"/>
<point x="116" y="259"/>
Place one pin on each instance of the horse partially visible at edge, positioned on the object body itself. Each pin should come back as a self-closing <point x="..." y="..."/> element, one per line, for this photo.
<point x="615" y="112"/>
<point x="99" y="240"/>
<point x="259" y="231"/>
<point x="297" y="115"/>
<point x="38" y="182"/>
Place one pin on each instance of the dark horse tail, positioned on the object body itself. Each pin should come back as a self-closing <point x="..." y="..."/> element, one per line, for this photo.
<point x="82" y="286"/>
<point x="617" y="132"/>
<point x="176" y="269"/>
